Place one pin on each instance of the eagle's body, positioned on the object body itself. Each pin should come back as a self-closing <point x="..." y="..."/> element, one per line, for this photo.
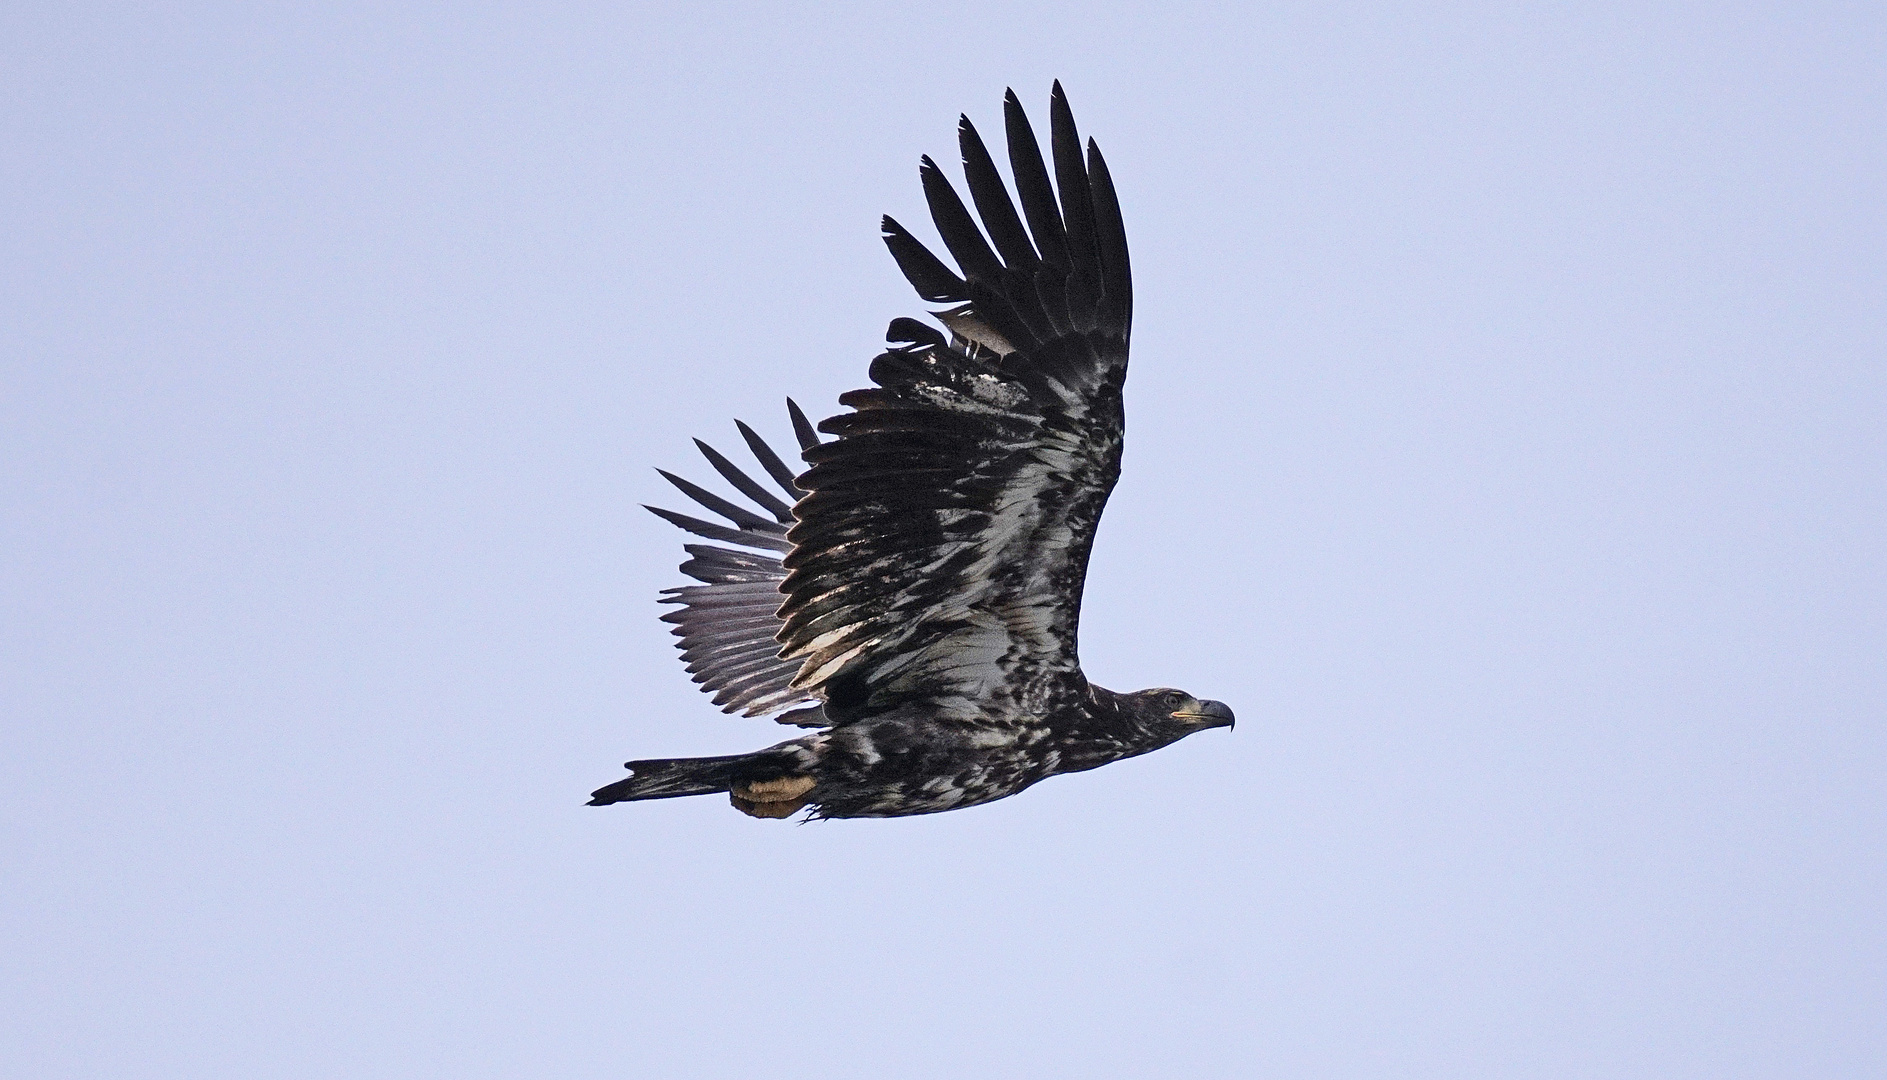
<point x="921" y="595"/>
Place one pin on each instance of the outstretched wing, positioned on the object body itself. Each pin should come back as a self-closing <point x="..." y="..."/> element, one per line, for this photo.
<point x="726" y="625"/>
<point x="941" y="547"/>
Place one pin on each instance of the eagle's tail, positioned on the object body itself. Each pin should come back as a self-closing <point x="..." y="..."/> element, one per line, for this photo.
<point x="755" y="776"/>
<point x="671" y="778"/>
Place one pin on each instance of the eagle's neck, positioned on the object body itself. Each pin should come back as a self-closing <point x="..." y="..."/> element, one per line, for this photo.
<point x="1103" y="731"/>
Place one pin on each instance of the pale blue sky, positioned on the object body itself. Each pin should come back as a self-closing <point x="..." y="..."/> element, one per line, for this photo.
<point x="1506" y="446"/>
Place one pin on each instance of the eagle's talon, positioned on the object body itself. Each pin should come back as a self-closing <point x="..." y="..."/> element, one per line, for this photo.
<point x="780" y="798"/>
<point x="778" y="810"/>
<point x="785" y="789"/>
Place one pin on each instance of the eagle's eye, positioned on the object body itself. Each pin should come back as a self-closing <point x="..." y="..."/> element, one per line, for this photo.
<point x="1172" y="699"/>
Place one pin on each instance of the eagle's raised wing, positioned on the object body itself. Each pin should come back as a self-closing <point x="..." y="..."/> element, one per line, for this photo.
<point x="940" y="549"/>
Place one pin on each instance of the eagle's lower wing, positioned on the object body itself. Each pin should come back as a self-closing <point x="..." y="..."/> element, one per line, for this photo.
<point x="726" y="625"/>
<point x="941" y="547"/>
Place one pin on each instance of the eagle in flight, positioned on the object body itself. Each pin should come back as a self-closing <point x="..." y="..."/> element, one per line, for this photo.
<point x="914" y="596"/>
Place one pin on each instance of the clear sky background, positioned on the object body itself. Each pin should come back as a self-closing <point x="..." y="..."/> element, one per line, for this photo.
<point x="1506" y="446"/>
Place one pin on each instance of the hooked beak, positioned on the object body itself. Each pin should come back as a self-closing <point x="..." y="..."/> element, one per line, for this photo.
<point x="1211" y="714"/>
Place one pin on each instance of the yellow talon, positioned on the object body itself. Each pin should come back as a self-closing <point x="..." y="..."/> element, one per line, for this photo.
<point x="780" y="798"/>
<point x="777" y="810"/>
<point x="785" y="789"/>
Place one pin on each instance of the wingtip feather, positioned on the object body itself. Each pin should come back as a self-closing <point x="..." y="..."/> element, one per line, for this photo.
<point x="802" y="428"/>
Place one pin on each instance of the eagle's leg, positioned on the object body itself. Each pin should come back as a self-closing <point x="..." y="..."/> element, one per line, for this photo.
<point x="780" y="798"/>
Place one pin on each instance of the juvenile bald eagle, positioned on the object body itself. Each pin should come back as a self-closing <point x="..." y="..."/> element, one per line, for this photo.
<point x="917" y="601"/>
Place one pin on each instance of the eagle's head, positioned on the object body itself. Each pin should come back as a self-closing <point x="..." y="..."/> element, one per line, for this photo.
<point x="1167" y="715"/>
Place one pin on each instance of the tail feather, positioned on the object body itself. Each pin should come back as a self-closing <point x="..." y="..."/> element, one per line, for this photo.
<point x="672" y="778"/>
